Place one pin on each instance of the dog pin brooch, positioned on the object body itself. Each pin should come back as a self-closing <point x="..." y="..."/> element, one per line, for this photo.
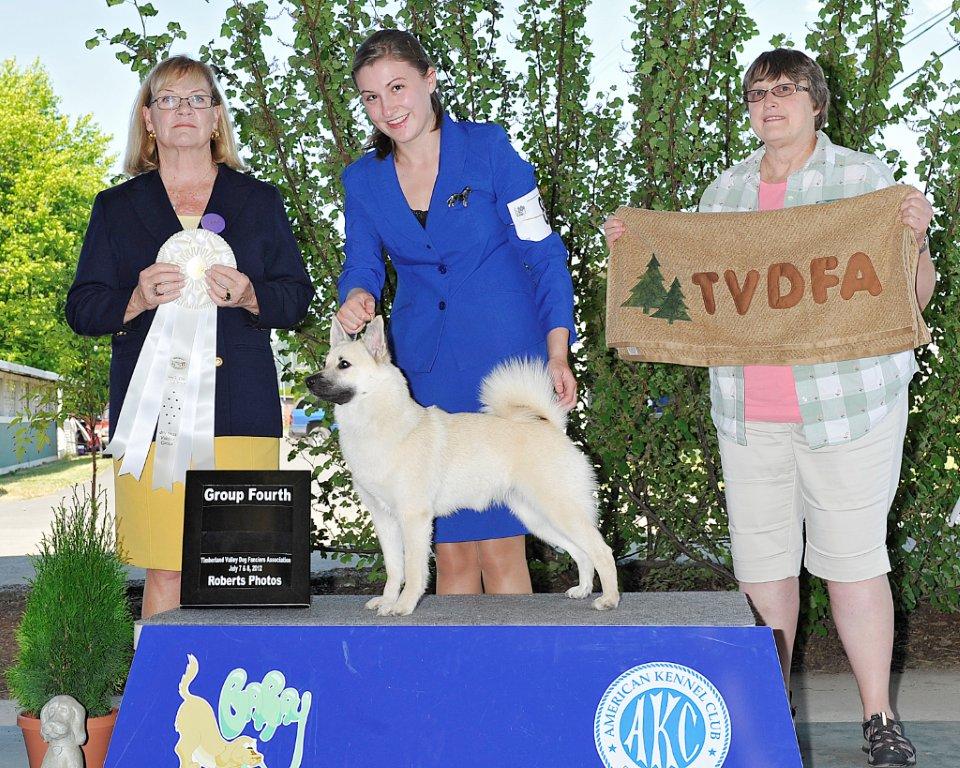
<point x="459" y="197"/>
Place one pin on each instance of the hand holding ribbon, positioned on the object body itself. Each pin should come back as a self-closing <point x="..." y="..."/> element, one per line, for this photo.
<point x="172" y="390"/>
<point x="158" y="284"/>
<point x="229" y="287"/>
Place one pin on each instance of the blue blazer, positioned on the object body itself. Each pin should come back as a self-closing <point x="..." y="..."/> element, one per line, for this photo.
<point x="467" y="279"/>
<point x="128" y="225"/>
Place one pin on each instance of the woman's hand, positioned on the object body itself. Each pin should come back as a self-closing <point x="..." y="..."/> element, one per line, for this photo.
<point x="613" y="229"/>
<point x="157" y="284"/>
<point x="229" y="287"/>
<point x="564" y="383"/>
<point x="916" y="213"/>
<point x="357" y="310"/>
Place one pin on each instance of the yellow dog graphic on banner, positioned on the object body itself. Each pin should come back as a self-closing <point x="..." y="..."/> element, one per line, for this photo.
<point x="200" y="744"/>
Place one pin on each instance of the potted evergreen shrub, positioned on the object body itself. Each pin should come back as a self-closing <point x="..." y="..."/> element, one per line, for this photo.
<point x="76" y="635"/>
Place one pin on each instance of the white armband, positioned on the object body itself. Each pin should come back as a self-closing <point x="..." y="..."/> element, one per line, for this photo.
<point x="529" y="216"/>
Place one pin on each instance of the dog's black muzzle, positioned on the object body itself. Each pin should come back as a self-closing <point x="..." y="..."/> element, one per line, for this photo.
<point x="328" y="390"/>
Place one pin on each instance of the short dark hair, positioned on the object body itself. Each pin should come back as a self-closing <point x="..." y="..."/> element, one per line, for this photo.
<point x="786" y="62"/>
<point x="401" y="46"/>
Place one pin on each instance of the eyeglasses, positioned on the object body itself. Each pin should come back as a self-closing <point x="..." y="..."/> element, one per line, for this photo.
<point x="780" y="91"/>
<point x="195" y="100"/>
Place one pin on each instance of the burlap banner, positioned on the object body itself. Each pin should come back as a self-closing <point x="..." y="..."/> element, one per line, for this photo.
<point x="810" y="284"/>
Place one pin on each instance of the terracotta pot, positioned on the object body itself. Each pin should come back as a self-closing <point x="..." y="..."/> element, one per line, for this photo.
<point x="99" y="731"/>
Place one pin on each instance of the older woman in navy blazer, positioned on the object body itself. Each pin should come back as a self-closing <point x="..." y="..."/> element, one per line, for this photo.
<point x="480" y="275"/>
<point x="183" y="161"/>
<point x="128" y="225"/>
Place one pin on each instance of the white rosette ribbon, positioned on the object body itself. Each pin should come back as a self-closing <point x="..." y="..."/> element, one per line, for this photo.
<point x="174" y="382"/>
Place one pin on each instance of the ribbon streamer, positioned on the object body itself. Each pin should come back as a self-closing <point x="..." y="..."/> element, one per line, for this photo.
<point x="173" y="386"/>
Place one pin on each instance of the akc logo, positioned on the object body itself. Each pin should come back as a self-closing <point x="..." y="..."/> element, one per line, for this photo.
<point x="662" y="715"/>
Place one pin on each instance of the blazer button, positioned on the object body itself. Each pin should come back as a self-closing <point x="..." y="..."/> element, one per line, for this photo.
<point x="219" y="361"/>
<point x="442" y="269"/>
<point x="442" y="305"/>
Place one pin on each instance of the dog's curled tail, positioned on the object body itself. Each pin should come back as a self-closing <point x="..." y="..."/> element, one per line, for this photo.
<point x="191" y="672"/>
<point x="521" y="389"/>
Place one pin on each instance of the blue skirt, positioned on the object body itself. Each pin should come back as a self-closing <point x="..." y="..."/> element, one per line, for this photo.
<point x="456" y="391"/>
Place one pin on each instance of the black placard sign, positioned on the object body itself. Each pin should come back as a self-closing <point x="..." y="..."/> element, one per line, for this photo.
<point x="246" y="539"/>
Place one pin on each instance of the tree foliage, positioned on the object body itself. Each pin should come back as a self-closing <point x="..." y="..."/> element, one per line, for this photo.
<point x="50" y="171"/>
<point x="645" y="426"/>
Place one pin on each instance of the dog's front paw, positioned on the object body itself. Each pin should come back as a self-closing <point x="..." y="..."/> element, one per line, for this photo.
<point x="400" y="608"/>
<point x="606" y="602"/>
<point x="579" y="592"/>
<point x="376" y="603"/>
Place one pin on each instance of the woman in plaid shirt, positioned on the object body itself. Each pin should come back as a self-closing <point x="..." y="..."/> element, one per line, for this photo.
<point x="814" y="446"/>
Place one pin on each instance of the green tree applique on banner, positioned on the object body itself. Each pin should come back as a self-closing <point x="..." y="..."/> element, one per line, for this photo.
<point x="673" y="307"/>
<point x="649" y="292"/>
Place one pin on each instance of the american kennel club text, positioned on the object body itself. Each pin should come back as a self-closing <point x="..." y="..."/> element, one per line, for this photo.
<point x="662" y="715"/>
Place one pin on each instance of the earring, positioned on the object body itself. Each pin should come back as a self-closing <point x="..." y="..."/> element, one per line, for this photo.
<point x="153" y="135"/>
<point x="215" y="135"/>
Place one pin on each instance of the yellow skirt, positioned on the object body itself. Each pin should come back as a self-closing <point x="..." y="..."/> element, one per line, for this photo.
<point x="150" y="522"/>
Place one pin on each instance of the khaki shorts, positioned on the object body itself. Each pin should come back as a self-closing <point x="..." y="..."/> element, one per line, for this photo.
<point x="776" y="485"/>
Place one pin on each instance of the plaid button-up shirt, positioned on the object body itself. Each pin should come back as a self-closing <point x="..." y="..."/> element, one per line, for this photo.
<point x="842" y="401"/>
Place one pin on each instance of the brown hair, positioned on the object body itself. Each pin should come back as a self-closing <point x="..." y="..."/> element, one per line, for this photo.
<point x="401" y="46"/>
<point x="786" y="62"/>
<point x="141" y="155"/>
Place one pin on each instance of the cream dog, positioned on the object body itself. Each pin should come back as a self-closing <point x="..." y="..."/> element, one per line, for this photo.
<point x="411" y="464"/>
<point x="200" y="744"/>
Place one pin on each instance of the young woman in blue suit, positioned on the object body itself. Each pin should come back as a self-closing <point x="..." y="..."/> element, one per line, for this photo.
<point x="480" y="275"/>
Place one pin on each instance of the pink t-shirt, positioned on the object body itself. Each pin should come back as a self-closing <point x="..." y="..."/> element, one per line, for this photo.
<point x="769" y="391"/>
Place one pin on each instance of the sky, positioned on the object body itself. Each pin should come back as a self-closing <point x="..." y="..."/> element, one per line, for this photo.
<point x="94" y="82"/>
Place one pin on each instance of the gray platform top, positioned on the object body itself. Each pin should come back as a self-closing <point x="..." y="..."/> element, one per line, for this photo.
<point x="717" y="609"/>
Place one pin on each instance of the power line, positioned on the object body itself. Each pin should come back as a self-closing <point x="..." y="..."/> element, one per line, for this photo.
<point x="933" y="25"/>
<point x="937" y="56"/>
<point x="917" y="26"/>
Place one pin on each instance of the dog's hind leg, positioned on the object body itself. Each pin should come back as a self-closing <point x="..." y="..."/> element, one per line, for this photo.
<point x="606" y="568"/>
<point x="391" y="545"/>
<point x="540" y="526"/>
<point x="417" y="526"/>
<point x="574" y="522"/>
<point x="186" y="758"/>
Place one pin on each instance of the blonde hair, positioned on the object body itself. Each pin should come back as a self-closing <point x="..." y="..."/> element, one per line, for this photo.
<point x="141" y="155"/>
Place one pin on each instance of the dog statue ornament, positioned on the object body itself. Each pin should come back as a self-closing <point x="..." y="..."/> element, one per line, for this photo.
<point x="63" y="726"/>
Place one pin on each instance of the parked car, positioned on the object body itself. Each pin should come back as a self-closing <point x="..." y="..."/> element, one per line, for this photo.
<point x="306" y="419"/>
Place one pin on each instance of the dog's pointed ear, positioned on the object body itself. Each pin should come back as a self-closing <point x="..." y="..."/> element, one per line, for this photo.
<point x="337" y="334"/>
<point x="375" y="340"/>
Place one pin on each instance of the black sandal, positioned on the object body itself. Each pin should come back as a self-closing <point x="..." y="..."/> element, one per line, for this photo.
<point x="887" y="747"/>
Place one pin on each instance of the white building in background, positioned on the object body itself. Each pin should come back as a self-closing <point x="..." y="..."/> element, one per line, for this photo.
<point x="19" y="384"/>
